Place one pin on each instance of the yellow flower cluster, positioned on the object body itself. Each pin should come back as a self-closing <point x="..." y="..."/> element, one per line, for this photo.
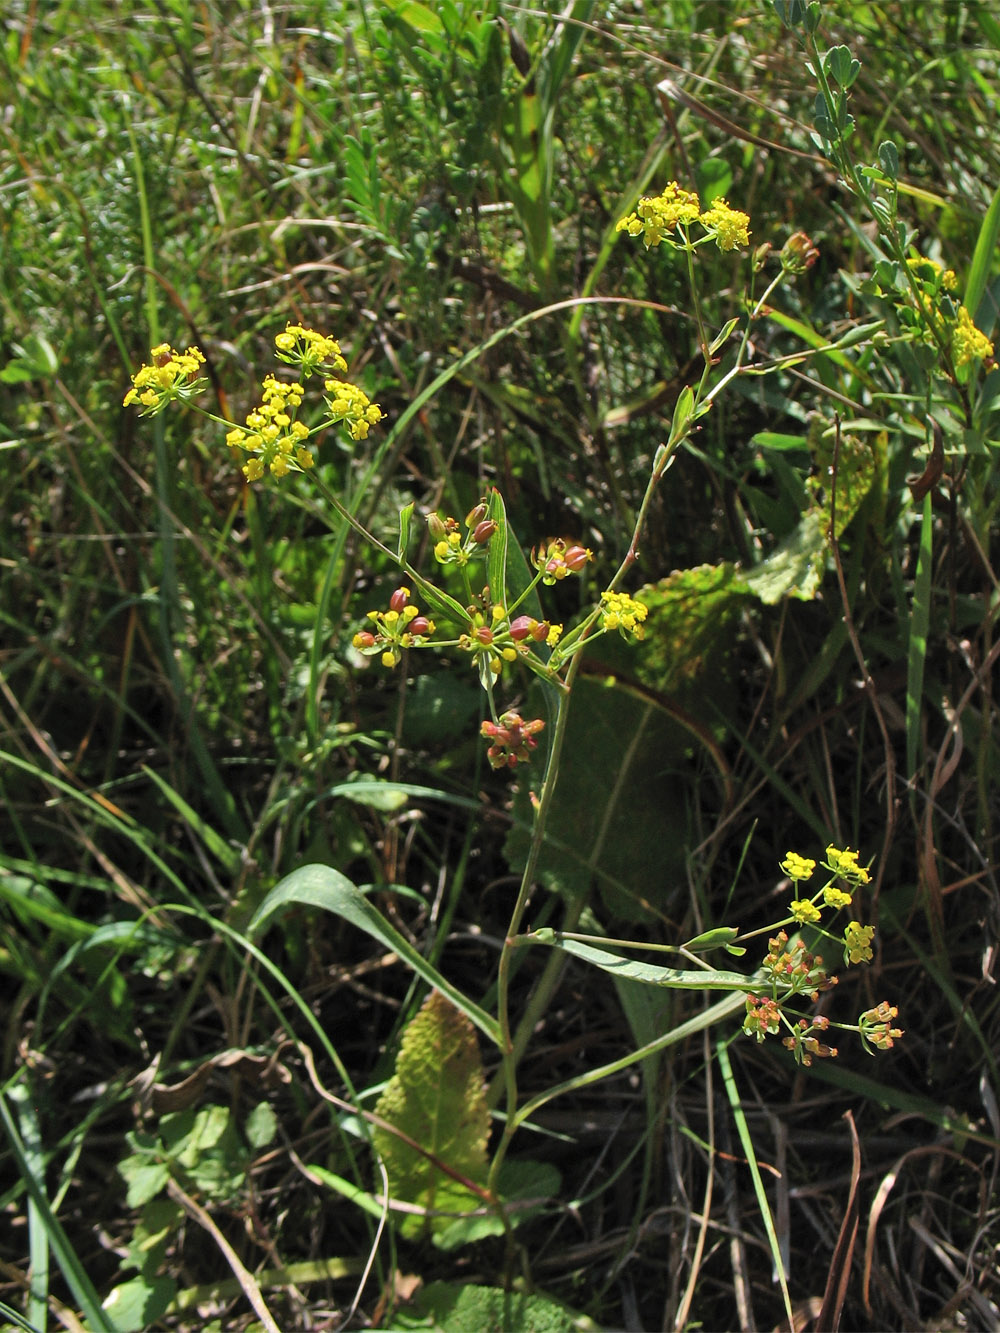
<point x="728" y="225"/>
<point x="876" y="1027"/>
<point x="272" y="435"/>
<point x="797" y="867"/>
<point x="171" y="375"/>
<point x="858" y="943"/>
<point x="308" y="349"/>
<point x="402" y="626"/>
<point x="845" y="864"/>
<point x="352" y="405"/>
<point x="930" y="271"/>
<point x="656" y="216"/>
<point x="804" y="911"/>
<point x="968" y="344"/>
<point x="623" y="613"/>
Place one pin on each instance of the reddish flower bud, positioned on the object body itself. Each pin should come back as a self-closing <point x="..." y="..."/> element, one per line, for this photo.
<point x="476" y="515"/>
<point x="484" y="530"/>
<point x="399" y="599"/>
<point x="483" y="635"/>
<point x="419" y="625"/>
<point x="521" y="628"/>
<point x="798" y="253"/>
<point x="364" y="639"/>
<point x="576" y="557"/>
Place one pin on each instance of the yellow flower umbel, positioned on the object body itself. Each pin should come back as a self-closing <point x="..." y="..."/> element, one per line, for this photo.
<point x="875" y="1026"/>
<point x="272" y="435"/>
<point x="656" y="216"/>
<point x="844" y="864"/>
<point x="968" y="344"/>
<point x="308" y="349"/>
<point x="728" y="225"/>
<point x="798" y="867"/>
<point x="621" y="612"/>
<point x="172" y="375"/>
<point x="351" y="405"/>
<point x="401" y="626"/>
<point x="858" y="943"/>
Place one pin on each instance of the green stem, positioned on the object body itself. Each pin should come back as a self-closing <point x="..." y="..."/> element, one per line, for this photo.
<point x="508" y="1053"/>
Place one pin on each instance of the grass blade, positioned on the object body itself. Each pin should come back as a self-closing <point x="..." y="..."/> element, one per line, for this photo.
<point x="66" y="1257"/>
<point x="917" y="651"/>
<point x="732" y="1092"/>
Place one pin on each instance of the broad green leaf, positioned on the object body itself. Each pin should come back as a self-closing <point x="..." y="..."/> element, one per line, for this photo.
<point x="860" y="461"/>
<point x="152" y="1234"/>
<point x="419" y="16"/>
<point x="261" y="1125"/>
<point x="139" y="1303"/>
<point x="795" y="568"/>
<point x="525" y="1187"/>
<point x="145" y="1179"/>
<point x="190" y="1134"/>
<point x="437" y="1098"/>
<point x="683" y="411"/>
<point x="687" y="651"/>
<point x="455" y="1308"/>
<point x="619" y="821"/>
<point x="713" y="178"/>
<point x="321" y="886"/>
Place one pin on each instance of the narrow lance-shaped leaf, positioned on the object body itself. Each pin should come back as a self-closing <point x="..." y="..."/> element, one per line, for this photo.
<point x="321" y="886"/>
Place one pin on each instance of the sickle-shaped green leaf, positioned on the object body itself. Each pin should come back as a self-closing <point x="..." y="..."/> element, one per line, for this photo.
<point x="321" y="886"/>
<point x="649" y="973"/>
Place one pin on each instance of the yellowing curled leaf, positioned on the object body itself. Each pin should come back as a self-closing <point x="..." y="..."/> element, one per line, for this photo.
<point x="436" y="1098"/>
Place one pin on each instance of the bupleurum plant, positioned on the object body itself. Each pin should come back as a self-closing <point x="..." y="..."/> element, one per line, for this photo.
<point x="485" y="604"/>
